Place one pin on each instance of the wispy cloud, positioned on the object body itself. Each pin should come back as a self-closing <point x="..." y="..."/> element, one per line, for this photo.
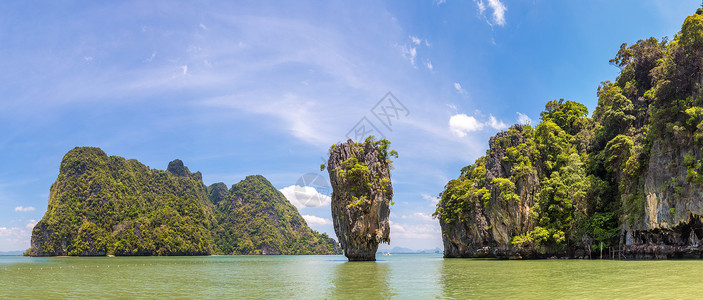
<point x="316" y="221"/>
<point x="151" y="58"/>
<point x="493" y="122"/>
<point x="523" y="118"/>
<point x="461" y="124"/>
<point x="30" y="224"/>
<point x="459" y="89"/>
<point x="24" y="208"/>
<point x="416" y="231"/>
<point x="498" y="14"/>
<point x="16" y="238"/>
<point x="419" y="216"/>
<point x="410" y="49"/>
<point x="410" y="53"/>
<point x="432" y="199"/>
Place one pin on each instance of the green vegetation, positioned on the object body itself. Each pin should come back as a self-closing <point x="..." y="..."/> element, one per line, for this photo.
<point x="255" y="218"/>
<point x="102" y="205"/>
<point x="358" y="177"/>
<point x="590" y="170"/>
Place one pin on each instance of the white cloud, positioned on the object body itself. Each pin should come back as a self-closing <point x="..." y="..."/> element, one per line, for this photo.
<point x="151" y="58"/>
<point x="314" y="220"/>
<point x="481" y="7"/>
<point x="304" y="196"/>
<point x="88" y="58"/>
<point x="14" y="238"/>
<point x="452" y="107"/>
<point x="498" y="8"/>
<point x="24" y="209"/>
<point x="428" y="64"/>
<point x="432" y="199"/>
<point x="30" y="224"/>
<point x="13" y="232"/>
<point x="493" y="122"/>
<point x="202" y="26"/>
<point x="461" y="124"/>
<point x="498" y="11"/>
<point x="185" y="69"/>
<point x="523" y="118"/>
<point x="300" y="114"/>
<point x="419" y="216"/>
<point x="416" y="231"/>
<point x="410" y="53"/>
<point x="440" y="2"/>
<point x="409" y="50"/>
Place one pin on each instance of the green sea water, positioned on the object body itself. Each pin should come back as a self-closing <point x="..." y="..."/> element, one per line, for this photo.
<point x="410" y="276"/>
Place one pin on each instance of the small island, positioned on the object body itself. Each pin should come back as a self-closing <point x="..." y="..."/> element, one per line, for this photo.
<point x="362" y="195"/>
<point x="107" y="205"/>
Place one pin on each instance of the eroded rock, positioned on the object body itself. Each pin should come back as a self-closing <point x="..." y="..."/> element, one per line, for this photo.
<point x="361" y="198"/>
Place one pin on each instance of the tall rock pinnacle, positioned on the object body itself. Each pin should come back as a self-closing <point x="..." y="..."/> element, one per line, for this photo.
<point x="362" y="195"/>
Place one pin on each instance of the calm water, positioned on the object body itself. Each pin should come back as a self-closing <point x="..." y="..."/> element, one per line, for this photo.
<point x="395" y="276"/>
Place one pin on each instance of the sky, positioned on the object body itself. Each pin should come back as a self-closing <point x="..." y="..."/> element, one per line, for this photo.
<point x="237" y="88"/>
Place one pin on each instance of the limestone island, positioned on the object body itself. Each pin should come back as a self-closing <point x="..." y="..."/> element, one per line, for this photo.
<point x="626" y="182"/>
<point x="362" y="195"/>
<point x="107" y="205"/>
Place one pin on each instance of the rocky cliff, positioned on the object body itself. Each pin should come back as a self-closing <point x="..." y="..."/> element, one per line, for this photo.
<point x="106" y="205"/>
<point x="495" y="213"/>
<point x="670" y="223"/>
<point x="361" y="197"/>
<point x="629" y="178"/>
<point x="663" y="198"/>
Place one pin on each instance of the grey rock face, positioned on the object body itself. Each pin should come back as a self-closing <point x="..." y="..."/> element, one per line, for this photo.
<point x="362" y="193"/>
<point x="487" y="229"/>
<point x="671" y="224"/>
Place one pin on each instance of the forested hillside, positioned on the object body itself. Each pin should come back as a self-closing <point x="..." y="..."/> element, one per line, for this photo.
<point x="102" y="205"/>
<point x="629" y="176"/>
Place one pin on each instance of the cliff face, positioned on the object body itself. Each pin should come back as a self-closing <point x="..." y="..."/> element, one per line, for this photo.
<point x="361" y="198"/>
<point x="666" y="218"/>
<point x="670" y="224"/>
<point x="629" y="178"/>
<point x="103" y="205"/>
<point x="489" y="221"/>
<point x="108" y="205"/>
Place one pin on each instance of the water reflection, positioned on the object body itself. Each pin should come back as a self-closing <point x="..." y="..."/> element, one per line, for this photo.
<point x="352" y="279"/>
<point x="315" y="277"/>
<point x="471" y="278"/>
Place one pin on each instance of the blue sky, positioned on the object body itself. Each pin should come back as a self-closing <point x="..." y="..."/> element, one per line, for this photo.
<point x="240" y="88"/>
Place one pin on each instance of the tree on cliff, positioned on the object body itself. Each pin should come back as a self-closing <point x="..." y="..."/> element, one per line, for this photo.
<point x="106" y="205"/>
<point x="591" y="171"/>
<point x="362" y="195"/>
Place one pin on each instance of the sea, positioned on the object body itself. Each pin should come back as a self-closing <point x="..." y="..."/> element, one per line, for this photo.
<point x="396" y="276"/>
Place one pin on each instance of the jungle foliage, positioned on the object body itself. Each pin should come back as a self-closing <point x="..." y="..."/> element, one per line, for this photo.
<point x="102" y="205"/>
<point x="590" y="169"/>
